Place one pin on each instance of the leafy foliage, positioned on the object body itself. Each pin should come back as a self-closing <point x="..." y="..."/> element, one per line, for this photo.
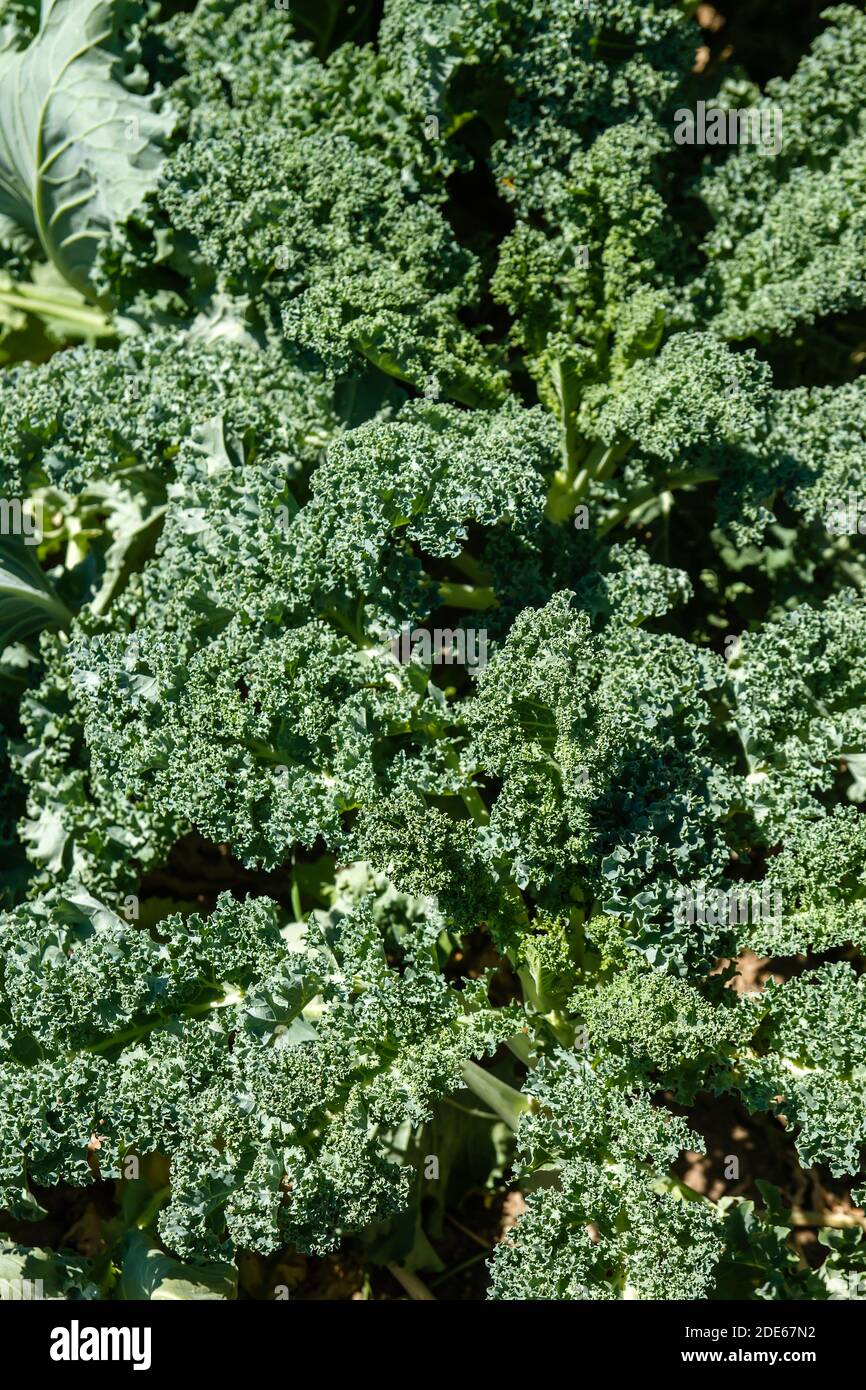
<point x="388" y="339"/>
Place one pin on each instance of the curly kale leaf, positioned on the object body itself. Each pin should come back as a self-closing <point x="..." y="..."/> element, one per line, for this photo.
<point x="268" y="1066"/>
<point x="254" y="202"/>
<point x="798" y="692"/>
<point x="786" y="245"/>
<point x="807" y="1064"/>
<point x="601" y="1220"/>
<point x="818" y="877"/>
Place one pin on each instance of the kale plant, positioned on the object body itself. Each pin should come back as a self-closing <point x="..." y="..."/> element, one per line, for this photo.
<point x="432" y="649"/>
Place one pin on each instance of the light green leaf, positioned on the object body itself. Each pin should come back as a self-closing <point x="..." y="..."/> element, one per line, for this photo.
<point x="28" y="601"/>
<point x="148" y="1273"/>
<point x="34" y="1274"/>
<point x="78" y="152"/>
